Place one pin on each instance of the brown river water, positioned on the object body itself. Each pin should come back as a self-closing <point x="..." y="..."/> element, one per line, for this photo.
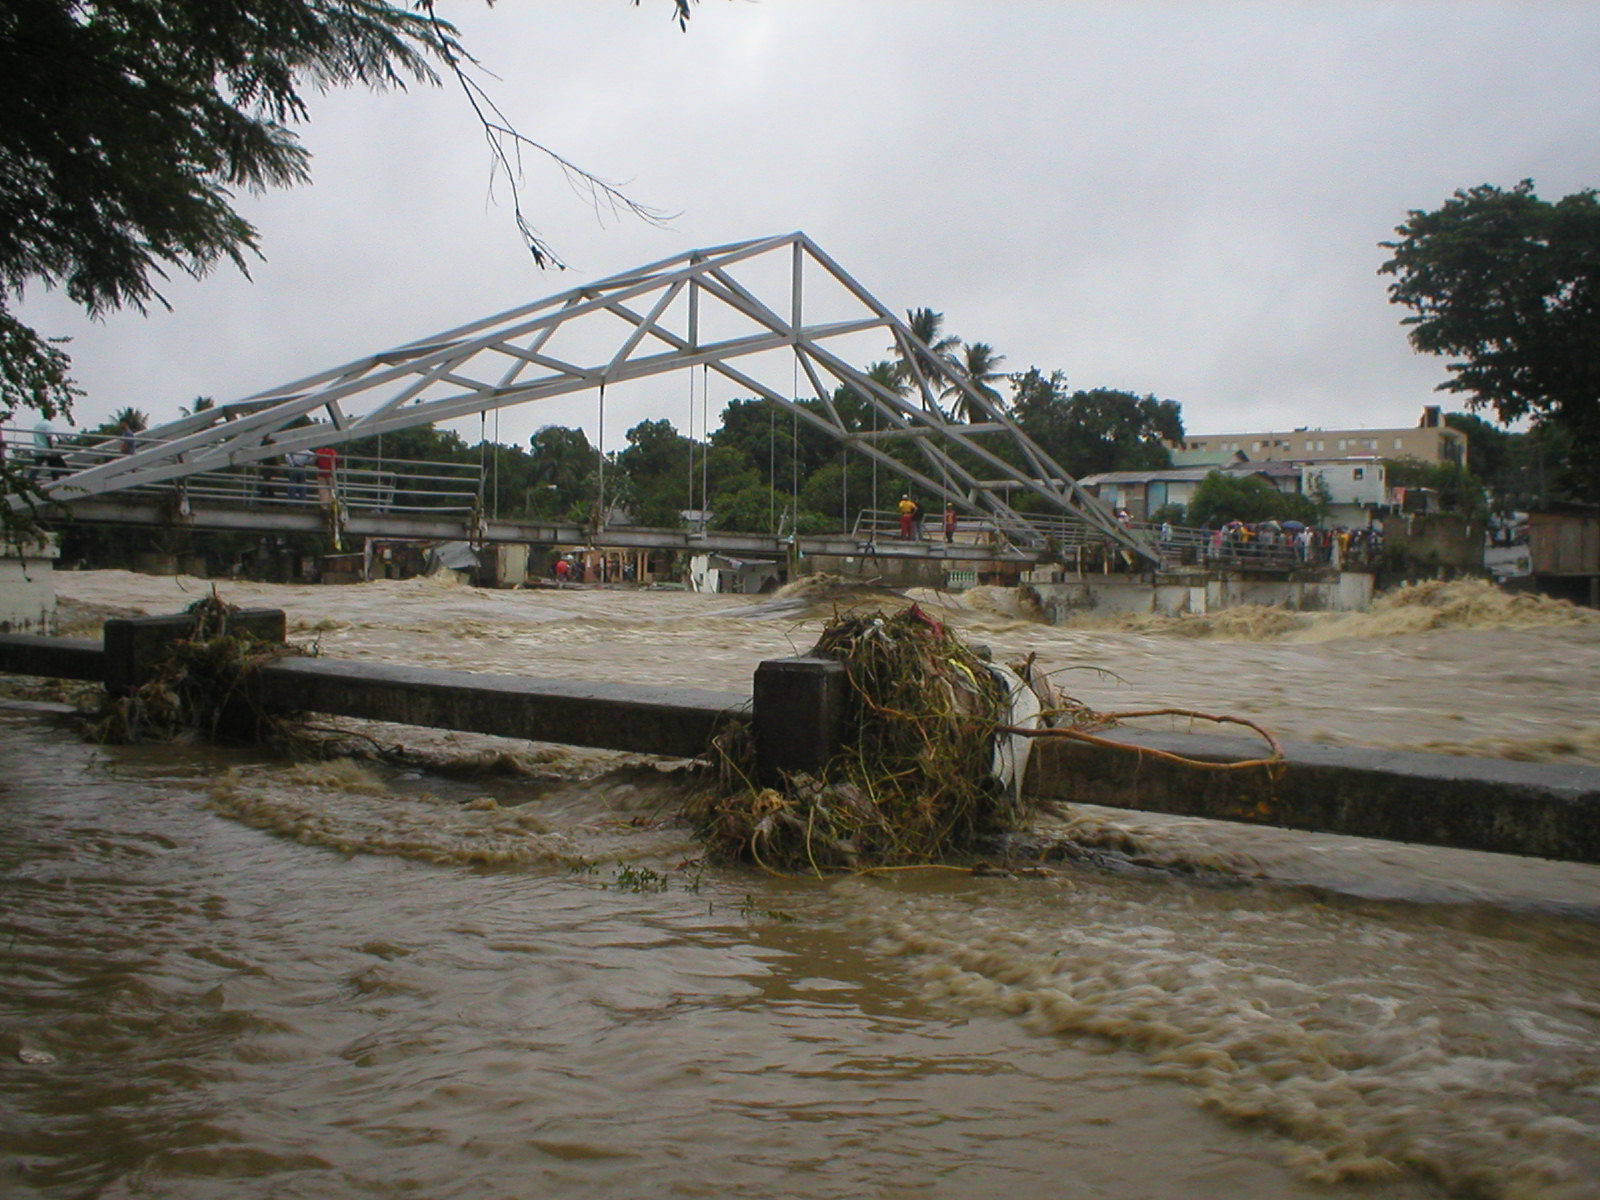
<point x="492" y="969"/>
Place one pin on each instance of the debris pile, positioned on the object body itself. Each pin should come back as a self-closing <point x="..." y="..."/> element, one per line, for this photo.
<point x="915" y="781"/>
<point x="202" y="689"/>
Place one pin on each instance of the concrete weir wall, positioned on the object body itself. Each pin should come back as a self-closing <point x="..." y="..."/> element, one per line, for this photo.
<point x="800" y="718"/>
<point x="1174" y="595"/>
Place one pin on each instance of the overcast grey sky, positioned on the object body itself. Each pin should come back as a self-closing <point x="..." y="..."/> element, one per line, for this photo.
<point x="1183" y="199"/>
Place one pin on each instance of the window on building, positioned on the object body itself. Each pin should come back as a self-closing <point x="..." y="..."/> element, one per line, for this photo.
<point x="1399" y="443"/>
<point x="1344" y="444"/>
<point x="1359" y="473"/>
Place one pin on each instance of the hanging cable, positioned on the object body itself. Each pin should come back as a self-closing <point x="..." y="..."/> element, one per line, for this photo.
<point x="874" y="474"/>
<point x="690" y="505"/>
<point x="705" y="456"/>
<point x="600" y="449"/>
<point x="794" y="448"/>
<point x="483" y="452"/>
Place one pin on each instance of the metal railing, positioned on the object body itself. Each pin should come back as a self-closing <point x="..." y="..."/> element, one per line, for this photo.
<point x="358" y="484"/>
<point x="883" y="525"/>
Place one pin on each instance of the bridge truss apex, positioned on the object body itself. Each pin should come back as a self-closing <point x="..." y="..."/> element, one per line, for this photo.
<point x="729" y="309"/>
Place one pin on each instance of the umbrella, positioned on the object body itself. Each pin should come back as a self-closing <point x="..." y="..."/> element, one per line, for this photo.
<point x="1294" y="525"/>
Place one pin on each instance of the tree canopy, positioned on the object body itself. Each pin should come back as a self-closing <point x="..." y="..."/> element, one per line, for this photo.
<point x="127" y="127"/>
<point x="1509" y="284"/>
<point x="1101" y="429"/>
<point x="1220" y="498"/>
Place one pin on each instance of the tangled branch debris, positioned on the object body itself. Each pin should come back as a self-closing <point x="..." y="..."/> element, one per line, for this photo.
<point x="916" y="781"/>
<point x="912" y="783"/>
<point x="203" y="688"/>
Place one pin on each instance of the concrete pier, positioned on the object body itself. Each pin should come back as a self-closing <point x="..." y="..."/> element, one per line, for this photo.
<point x="800" y="710"/>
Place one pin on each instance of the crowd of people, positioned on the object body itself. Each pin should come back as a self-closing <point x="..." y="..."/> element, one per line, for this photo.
<point x="1278" y="543"/>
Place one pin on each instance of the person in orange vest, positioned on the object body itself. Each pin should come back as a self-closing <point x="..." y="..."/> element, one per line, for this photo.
<point x="949" y="523"/>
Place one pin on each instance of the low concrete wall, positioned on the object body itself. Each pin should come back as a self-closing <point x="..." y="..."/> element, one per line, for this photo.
<point x="1477" y="804"/>
<point x="1543" y="810"/>
<point x="675" y="722"/>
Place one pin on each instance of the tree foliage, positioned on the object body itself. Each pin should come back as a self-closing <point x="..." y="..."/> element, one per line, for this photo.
<point x="1221" y="497"/>
<point x="1102" y="429"/>
<point x="1509" y="285"/>
<point x="127" y="126"/>
<point x="1459" y="489"/>
<point x="981" y="364"/>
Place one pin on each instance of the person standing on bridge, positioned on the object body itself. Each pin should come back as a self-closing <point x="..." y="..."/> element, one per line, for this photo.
<point x="908" y="516"/>
<point x="327" y="461"/>
<point x="949" y="523"/>
<point x="298" y="461"/>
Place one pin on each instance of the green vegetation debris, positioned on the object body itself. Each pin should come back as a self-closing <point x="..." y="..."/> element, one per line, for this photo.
<point x="202" y="689"/>
<point x="913" y="784"/>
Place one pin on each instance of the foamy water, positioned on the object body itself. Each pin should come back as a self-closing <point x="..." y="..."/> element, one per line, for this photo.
<point x="486" y="968"/>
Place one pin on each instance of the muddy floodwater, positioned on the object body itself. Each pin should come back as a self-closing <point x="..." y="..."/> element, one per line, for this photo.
<point x="469" y="967"/>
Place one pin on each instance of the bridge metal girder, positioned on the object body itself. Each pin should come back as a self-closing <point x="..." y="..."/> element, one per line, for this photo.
<point x="506" y="359"/>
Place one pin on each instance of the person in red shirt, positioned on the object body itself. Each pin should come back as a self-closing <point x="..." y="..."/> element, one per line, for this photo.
<point x="327" y="460"/>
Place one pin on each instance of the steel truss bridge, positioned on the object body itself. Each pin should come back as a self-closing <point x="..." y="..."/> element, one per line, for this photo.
<point x="732" y="310"/>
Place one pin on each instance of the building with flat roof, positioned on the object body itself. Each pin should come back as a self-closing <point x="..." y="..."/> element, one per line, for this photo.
<point x="1431" y="441"/>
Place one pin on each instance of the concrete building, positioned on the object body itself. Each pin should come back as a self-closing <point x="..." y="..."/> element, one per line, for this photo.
<point x="1353" y="487"/>
<point x="1431" y="441"/>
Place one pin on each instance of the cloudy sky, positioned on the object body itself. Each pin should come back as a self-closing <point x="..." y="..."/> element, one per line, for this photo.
<point x="1183" y="199"/>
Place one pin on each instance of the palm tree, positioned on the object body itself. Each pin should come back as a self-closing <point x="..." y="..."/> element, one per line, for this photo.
<point x="201" y="404"/>
<point x="981" y="365"/>
<point x="927" y="327"/>
<point x="128" y="420"/>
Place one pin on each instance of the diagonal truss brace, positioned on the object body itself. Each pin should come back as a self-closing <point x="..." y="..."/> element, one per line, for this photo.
<point x="507" y="359"/>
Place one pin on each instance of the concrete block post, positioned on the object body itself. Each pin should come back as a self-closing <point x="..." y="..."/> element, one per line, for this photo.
<point x="801" y="710"/>
<point x="135" y="646"/>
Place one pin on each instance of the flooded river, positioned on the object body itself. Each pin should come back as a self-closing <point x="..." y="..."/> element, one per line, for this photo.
<point x="482" y="968"/>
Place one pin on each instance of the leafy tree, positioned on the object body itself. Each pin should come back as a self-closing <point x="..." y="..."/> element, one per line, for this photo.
<point x="562" y="475"/>
<point x="770" y="439"/>
<point x="1088" y="432"/>
<point x="1220" y="498"/>
<point x="1509" y="285"/>
<point x="655" y="471"/>
<point x="1460" y="491"/>
<point x="126" y="127"/>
